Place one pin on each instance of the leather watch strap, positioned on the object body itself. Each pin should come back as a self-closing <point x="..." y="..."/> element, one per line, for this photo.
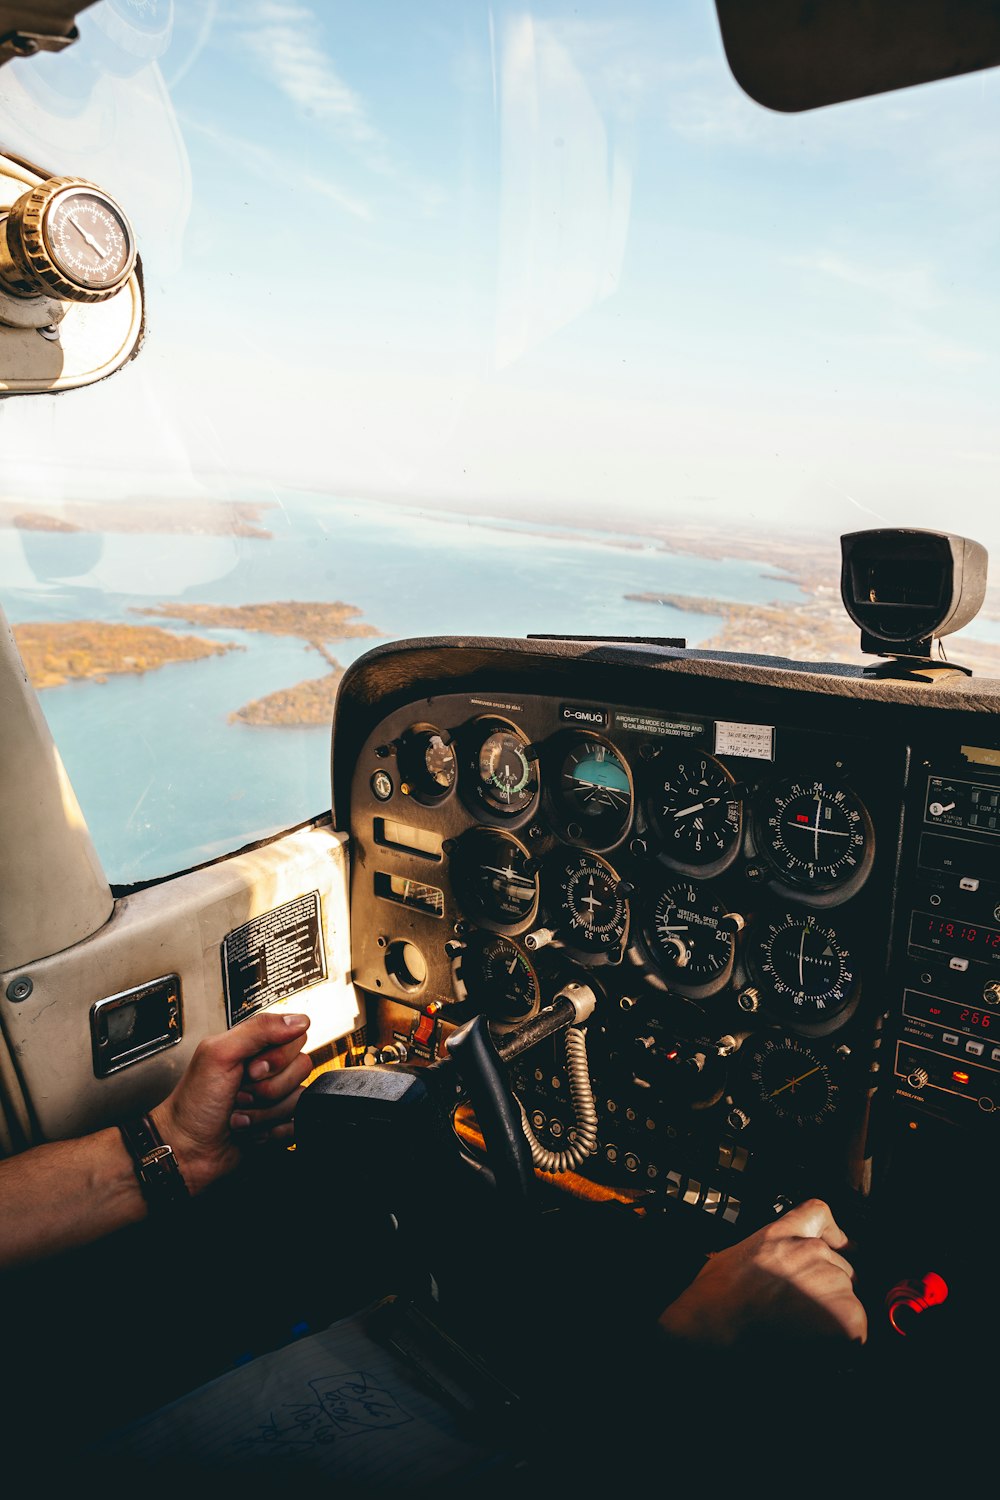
<point x="155" y="1164"/>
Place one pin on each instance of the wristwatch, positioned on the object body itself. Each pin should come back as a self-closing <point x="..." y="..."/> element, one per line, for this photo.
<point x="155" y="1165"/>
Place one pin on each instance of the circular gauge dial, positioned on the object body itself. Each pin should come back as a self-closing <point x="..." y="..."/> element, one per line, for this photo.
<point x="89" y="239"/>
<point x="494" y="877"/>
<point x="696" y="812"/>
<point x="428" y="762"/>
<point x="593" y="911"/>
<point x="506" y="779"/>
<point x="500" y="980"/>
<point x="806" y="968"/>
<point x="791" y="1083"/>
<point x="818" y="837"/>
<point x="65" y="236"/>
<point x="595" y="792"/>
<point x="692" y="939"/>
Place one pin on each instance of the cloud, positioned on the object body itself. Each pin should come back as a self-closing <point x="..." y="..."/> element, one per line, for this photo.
<point x="286" y="41"/>
<point x="276" y="166"/>
<point x="911" y="287"/>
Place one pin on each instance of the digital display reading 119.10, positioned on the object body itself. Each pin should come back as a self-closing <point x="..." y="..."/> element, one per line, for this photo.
<point x="951" y="936"/>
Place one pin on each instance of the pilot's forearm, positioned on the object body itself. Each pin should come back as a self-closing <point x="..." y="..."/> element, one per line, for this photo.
<point x="65" y="1194"/>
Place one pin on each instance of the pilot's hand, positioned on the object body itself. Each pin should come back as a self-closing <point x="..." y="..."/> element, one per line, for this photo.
<point x="786" y="1281"/>
<point x="241" y="1085"/>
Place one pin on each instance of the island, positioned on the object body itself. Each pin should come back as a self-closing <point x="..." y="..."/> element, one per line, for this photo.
<point x="309" y="704"/>
<point x="69" y="651"/>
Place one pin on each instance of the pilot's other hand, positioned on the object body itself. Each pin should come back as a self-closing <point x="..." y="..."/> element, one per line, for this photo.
<point x="240" y="1086"/>
<point x="786" y="1281"/>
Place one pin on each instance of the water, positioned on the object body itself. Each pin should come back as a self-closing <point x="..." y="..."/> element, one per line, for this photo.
<point x="165" y="779"/>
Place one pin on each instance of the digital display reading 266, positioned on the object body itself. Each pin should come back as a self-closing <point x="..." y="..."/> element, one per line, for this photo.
<point x="947" y="935"/>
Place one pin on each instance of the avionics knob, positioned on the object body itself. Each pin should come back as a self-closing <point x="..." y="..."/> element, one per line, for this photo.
<point x="991" y="992"/>
<point x="66" y="238"/>
<point x="918" y="1078"/>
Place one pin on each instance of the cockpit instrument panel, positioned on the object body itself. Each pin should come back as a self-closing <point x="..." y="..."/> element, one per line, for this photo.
<point x="783" y="890"/>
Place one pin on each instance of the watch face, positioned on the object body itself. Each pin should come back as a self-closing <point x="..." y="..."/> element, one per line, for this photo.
<point x="88" y="239"/>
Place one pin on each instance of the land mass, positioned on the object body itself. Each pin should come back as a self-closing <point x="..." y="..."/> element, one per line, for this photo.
<point x="70" y="651"/>
<point x="163" y="517"/>
<point x="814" y="630"/>
<point x="307" y="705"/>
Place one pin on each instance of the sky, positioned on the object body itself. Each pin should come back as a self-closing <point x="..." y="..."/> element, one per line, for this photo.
<point x="548" y="262"/>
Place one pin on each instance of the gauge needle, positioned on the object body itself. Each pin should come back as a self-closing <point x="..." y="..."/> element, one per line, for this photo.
<point x="696" y="807"/>
<point x="94" y="244"/>
<point x="793" y="1081"/>
<point x="802" y="945"/>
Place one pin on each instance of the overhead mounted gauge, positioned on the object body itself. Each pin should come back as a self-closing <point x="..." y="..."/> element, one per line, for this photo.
<point x="593" y="792"/>
<point x="505" y="778"/>
<point x="817" y="838"/>
<point x="499" y="979"/>
<point x="788" y="1083"/>
<point x="427" y="763"/>
<point x="493" y="877"/>
<point x="71" y="303"/>
<point x="592" y="905"/>
<point x="68" y="239"/>
<point x="697" y="812"/>
<point x="692" y="938"/>
<point x="804" y="968"/>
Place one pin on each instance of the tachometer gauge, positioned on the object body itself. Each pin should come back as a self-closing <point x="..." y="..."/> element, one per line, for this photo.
<point x="593" y="910"/>
<point x="428" y="763"/>
<point x="493" y="877"/>
<point x="692" y="938"/>
<point x="790" y="1083"/>
<point x="505" y="777"/>
<point x="817" y="837"/>
<point x="500" y="980"/>
<point x="594" y="793"/>
<point x="697" y="813"/>
<point x="804" y="968"/>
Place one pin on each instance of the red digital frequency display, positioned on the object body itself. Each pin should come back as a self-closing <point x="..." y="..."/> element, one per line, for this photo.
<point x="978" y="1020"/>
<point x="969" y="939"/>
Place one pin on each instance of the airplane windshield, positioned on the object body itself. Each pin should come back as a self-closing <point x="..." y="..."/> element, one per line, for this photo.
<point x="470" y="319"/>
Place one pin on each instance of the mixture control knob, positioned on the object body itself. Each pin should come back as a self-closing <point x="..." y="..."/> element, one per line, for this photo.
<point x="918" y="1078"/>
<point x="991" y="992"/>
<point x="392" y="1052"/>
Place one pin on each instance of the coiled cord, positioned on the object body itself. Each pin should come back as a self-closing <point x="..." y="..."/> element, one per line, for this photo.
<point x="585" y="1109"/>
